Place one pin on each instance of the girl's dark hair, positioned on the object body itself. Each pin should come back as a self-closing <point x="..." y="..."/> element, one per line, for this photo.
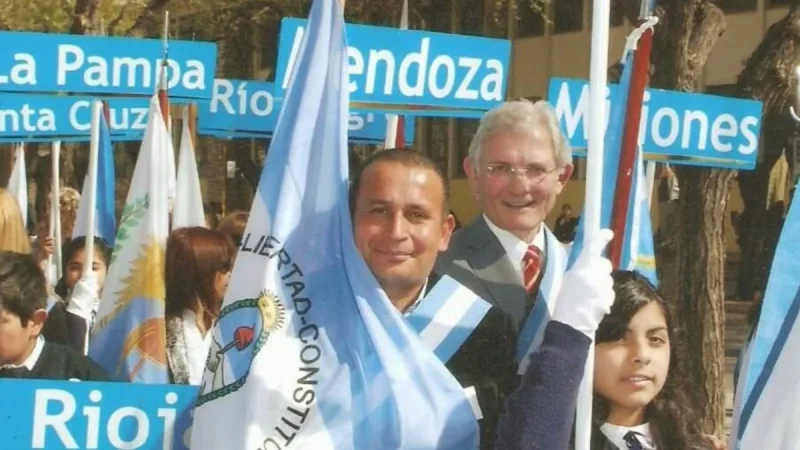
<point x="68" y="251"/>
<point x="671" y="414"/>
<point x="194" y="256"/>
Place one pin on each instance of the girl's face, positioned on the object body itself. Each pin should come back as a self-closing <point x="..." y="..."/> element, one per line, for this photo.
<point x="74" y="269"/>
<point x="631" y="371"/>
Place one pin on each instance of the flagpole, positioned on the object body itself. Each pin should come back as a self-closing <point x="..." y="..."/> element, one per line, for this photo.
<point x="94" y="146"/>
<point x="163" y="98"/>
<point x="630" y="137"/>
<point x="594" y="186"/>
<point x="55" y="209"/>
<point x="395" y="123"/>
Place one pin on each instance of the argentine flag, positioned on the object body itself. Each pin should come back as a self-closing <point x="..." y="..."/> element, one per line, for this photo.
<point x="308" y="352"/>
<point x="767" y="407"/>
<point x="129" y="338"/>
<point x="105" y="214"/>
<point x="638" y="251"/>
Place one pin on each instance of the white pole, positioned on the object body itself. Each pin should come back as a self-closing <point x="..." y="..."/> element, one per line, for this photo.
<point x="650" y="169"/>
<point x="594" y="186"/>
<point x="94" y="146"/>
<point x="55" y="205"/>
<point x="391" y="131"/>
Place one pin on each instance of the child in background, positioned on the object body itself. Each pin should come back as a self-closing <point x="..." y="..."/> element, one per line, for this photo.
<point x="641" y="393"/>
<point x="81" y="292"/>
<point x="24" y="353"/>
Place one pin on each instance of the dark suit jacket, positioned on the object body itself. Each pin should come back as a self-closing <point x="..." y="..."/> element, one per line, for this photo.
<point x="486" y="362"/>
<point x="60" y="362"/>
<point x="63" y="327"/>
<point x="477" y="259"/>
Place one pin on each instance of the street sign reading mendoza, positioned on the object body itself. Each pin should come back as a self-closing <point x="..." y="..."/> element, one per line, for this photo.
<point x="413" y="72"/>
<point x="678" y="127"/>
<point x="35" y="62"/>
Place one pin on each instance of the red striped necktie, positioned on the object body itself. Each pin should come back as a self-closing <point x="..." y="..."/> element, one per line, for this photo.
<point x="531" y="266"/>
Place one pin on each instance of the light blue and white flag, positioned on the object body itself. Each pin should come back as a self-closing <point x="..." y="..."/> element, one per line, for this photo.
<point x="447" y="317"/>
<point x="767" y="406"/>
<point x="105" y="222"/>
<point x="308" y="352"/>
<point x="129" y="338"/>
<point x="638" y="250"/>
<point x="533" y="330"/>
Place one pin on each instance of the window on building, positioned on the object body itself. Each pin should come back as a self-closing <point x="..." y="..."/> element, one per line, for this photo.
<point x="530" y="21"/>
<point x="733" y="6"/>
<point x="617" y="16"/>
<point x="437" y="141"/>
<point x="471" y="12"/>
<point x="568" y="15"/>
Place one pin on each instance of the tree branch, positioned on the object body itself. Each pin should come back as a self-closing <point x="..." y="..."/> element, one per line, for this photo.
<point x="83" y="16"/>
<point x="146" y="18"/>
<point x="112" y="26"/>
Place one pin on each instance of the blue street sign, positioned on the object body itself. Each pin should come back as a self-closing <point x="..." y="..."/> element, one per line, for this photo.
<point x="54" y="415"/>
<point x="243" y="109"/>
<point x="680" y="127"/>
<point x="49" y="116"/>
<point x="455" y="76"/>
<point x="34" y="62"/>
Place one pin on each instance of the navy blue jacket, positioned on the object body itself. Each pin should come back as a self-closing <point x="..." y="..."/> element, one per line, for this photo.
<point x="540" y="412"/>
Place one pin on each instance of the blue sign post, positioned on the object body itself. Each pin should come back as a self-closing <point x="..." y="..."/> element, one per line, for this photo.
<point x="34" y="62"/>
<point x="422" y="73"/>
<point x="241" y="108"/>
<point x="683" y="128"/>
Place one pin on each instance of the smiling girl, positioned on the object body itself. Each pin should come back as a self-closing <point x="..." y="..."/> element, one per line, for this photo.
<point x="641" y="394"/>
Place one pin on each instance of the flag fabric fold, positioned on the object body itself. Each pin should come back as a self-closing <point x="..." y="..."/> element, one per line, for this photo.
<point x="188" y="208"/>
<point x="129" y="338"/>
<point x="105" y="213"/>
<point x="18" y="182"/>
<point x="308" y="350"/>
<point x="767" y="403"/>
<point x="638" y="248"/>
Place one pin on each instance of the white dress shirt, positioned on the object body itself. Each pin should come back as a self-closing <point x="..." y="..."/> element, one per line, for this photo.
<point x="515" y="247"/>
<point x="197" y="347"/>
<point x="616" y="434"/>
<point x="416" y="303"/>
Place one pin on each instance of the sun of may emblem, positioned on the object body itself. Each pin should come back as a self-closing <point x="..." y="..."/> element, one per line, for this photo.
<point x="241" y="332"/>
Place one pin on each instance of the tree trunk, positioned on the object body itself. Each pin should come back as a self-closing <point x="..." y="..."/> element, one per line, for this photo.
<point x="768" y="76"/>
<point x="683" y="39"/>
<point x="701" y="288"/>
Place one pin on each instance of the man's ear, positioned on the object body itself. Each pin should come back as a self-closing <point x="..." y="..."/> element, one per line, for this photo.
<point x="448" y="225"/>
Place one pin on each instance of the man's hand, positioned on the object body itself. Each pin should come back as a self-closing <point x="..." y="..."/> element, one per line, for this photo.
<point x="587" y="290"/>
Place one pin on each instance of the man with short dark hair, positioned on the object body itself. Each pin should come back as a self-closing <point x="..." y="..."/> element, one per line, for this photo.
<point x="23" y="351"/>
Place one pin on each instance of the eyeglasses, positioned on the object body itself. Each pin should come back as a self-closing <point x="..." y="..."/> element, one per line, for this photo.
<point x="532" y="173"/>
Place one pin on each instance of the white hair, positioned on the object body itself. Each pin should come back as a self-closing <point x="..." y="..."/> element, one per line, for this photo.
<point x="522" y="116"/>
